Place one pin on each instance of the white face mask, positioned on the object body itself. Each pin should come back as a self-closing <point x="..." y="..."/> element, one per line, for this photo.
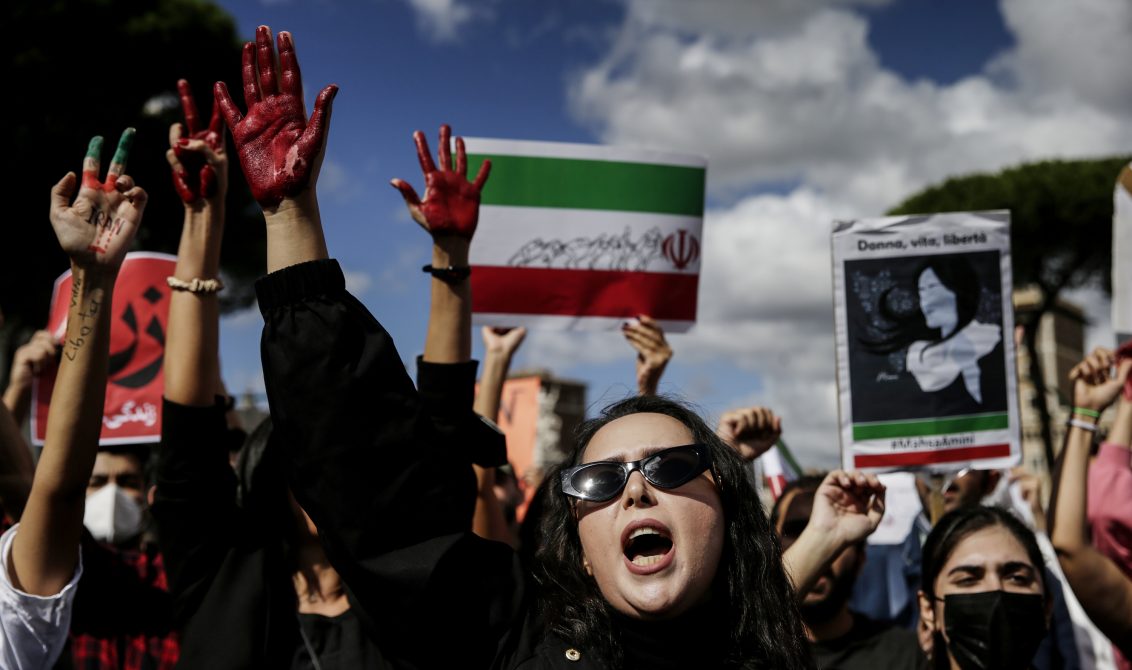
<point x="112" y="515"/>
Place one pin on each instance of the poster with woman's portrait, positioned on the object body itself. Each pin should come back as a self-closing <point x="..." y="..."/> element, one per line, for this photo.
<point x="925" y="351"/>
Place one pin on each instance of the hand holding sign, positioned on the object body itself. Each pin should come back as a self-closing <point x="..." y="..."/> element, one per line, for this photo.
<point x="451" y="205"/>
<point x="280" y="150"/>
<point x="653" y="352"/>
<point x="751" y="431"/>
<point x="502" y="341"/>
<point x="1095" y="386"/>
<point x="196" y="154"/>
<point x="96" y="230"/>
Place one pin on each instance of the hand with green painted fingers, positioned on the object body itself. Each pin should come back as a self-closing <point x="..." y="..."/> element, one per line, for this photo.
<point x="97" y="228"/>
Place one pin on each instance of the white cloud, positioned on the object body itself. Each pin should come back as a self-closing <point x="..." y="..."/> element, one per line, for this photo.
<point x="357" y="281"/>
<point x="799" y="96"/>
<point x="441" y="20"/>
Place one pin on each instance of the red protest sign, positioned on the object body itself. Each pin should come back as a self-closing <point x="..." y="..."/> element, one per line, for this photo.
<point x="132" y="412"/>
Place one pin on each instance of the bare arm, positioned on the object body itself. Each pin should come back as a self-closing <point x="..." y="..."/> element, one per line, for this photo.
<point x="449" y="213"/>
<point x="95" y="231"/>
<point x="848" y="507"/>
<point x="280" y="149"/>
<point x="15" y="464"/>
<point x="1104" y="591"/>
<point x="28" y="362"/>
<point x="653" y="352"/>
<point x="192" y="366"/>
<point x="499" y="348"/>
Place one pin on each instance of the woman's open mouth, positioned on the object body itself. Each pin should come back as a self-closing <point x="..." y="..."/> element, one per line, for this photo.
<point x="648" y="547"/>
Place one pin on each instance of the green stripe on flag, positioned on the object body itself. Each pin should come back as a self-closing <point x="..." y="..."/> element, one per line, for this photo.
<point x="570" y="183"/>
<point x="921" y="427"/>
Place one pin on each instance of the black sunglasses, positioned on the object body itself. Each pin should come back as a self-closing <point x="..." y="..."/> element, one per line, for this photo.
<point x="667" y="469"/>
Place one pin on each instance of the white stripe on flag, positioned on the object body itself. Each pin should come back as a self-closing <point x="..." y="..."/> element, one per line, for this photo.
<point x="597" y="240"/>
<point x="490" y="147"/>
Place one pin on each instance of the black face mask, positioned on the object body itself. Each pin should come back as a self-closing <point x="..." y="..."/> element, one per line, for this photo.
<point x="994" y="629"/>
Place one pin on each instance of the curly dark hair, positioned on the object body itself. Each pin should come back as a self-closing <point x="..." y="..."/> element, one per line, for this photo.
<point x="751" y="584"/>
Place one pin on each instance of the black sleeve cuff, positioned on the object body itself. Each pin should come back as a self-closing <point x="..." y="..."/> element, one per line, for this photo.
<point x="297" y="282"/>
<point x="448" y="392"/>
<point x="447" y="385"/>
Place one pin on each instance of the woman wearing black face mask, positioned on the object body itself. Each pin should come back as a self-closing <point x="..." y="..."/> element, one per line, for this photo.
<point x="983" y="593"/>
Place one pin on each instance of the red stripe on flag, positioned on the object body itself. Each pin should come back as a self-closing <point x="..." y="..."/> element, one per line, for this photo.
<point x="511" y="290"/>
<point x="930" y="457"/>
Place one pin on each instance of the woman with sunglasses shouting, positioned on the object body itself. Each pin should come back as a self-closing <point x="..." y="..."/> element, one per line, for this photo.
<point x="654" y="548"/>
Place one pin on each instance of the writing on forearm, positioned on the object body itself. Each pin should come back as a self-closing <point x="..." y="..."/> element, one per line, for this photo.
<point x="87" y="309"/>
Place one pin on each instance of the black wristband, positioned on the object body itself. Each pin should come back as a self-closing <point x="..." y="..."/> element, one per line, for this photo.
<point x="449" y="275"/>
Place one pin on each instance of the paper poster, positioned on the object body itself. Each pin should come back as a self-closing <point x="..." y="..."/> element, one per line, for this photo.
<point x="132" y="413"/>
<point x="583" y="237"/>
<point x="925" y="356"/>
<point x="1122" y="256"/>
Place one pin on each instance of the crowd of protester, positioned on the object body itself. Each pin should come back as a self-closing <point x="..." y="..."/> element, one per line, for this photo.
<point x="372" y="522"/>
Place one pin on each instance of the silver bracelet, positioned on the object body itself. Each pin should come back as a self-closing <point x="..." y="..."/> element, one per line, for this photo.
<point x="1083" y="425"/>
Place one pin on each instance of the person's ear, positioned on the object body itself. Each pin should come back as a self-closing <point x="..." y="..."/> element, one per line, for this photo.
<point x="927" y="612"/>
<point x="991" y="482"/>
<point x="586" y="566"/>
<point x="151" y="495"/>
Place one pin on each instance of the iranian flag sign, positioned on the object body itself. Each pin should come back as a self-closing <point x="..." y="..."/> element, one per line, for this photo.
<point x="584" y="237"/>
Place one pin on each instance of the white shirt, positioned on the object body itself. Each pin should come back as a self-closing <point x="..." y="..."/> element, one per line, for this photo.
<point x="33" y="629"/>
<point x="936" y="364"/>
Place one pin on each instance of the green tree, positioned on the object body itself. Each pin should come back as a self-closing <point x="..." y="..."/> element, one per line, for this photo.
<point x="1061" y="233"/>
<point x="79" y="68"/>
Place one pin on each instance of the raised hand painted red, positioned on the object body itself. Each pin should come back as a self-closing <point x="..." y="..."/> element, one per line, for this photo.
<point x="279" y="148"/>
<point x="451" y="205"/>
<point x="196" y="179"/>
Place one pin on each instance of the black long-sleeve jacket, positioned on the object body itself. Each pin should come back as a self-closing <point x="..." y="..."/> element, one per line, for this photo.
<point x="385" y="473"/>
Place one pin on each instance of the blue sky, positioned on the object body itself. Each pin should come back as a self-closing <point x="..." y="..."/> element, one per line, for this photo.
<point x="806" y="110"/>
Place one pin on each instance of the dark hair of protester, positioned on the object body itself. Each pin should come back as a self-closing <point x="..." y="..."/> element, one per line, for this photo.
<point x="751" y="591"/>
<point x="957" y="275"/>
<point x="945" y="537"/>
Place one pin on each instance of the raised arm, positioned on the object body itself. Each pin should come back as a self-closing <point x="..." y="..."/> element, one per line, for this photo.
<point x="200" y="176"/>
<point x="28" y="362"/>
<point x="449" y="213"/>
<point x="280" y="149"/>
<point x="95" y="231"/>
<point x="848" y="507"/>
<point x="499" y="346"/>
<point x="653" y="352"/>
<point x="751" y="431"/>
<point x="1102" y="588"/>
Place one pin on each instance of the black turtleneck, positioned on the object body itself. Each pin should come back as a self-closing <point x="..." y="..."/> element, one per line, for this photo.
<point x="698" y="638"/>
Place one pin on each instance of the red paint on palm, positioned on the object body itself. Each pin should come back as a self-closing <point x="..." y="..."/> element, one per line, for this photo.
<point x="277" y="144"/>
<point x="198" y="179"/>
<point x="451" y="204"/>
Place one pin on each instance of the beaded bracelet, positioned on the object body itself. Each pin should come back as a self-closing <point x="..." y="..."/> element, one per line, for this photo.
<point x="195" y="285"/>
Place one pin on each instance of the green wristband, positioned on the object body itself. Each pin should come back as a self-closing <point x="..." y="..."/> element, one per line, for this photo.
<point x="1083" y="411"/>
